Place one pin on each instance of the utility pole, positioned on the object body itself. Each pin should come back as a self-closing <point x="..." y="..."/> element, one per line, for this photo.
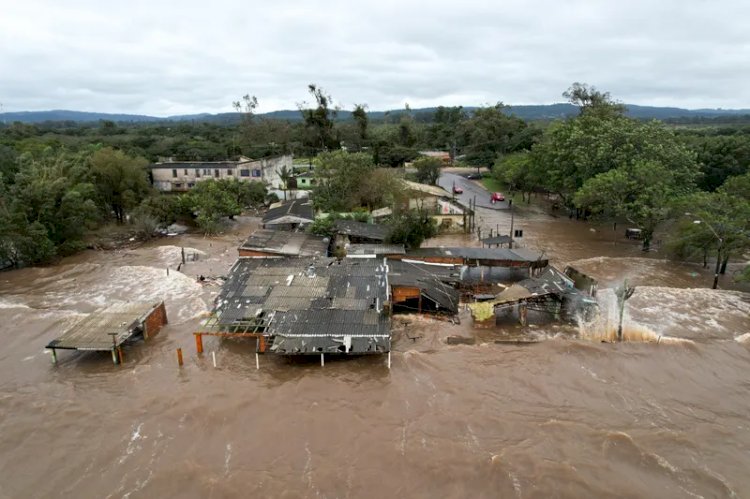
<point x="510" y="243"/>
<point x="718" y="262"/>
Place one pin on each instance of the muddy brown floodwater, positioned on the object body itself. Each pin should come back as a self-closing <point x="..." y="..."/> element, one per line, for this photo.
<point x="566" y="417"/>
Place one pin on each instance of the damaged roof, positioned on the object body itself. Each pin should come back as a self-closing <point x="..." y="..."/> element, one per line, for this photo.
<point x="515" y="255"/>
<point x="286" y="243"/>
<point x="290" y="212"/>
<point x="360" y="229"/>
<point x="432" y="281"/>
<point x="308" y="306"/>
<point x="363" y="250"/>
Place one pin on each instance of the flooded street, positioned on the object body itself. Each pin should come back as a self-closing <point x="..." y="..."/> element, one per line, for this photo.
<point x="568" y="417"/>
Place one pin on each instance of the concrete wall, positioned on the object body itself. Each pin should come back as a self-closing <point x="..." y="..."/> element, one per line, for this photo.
<point x="154" y="322"/>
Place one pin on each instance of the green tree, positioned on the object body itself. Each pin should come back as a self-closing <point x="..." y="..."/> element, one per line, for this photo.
<point x="428" y="170"/>
<point x="591" y="100"/>
<point x="319" y="120"/>
<point x="360" y="118"/>
<point x="516" y="171"/>
<point x="411" y="228"/>
<point x="210" y="201"/>
<point x="713" y="223"/>
<point x="121" y="181"/>
<point x="580" y="148"/>
<point x="489" y="133"/>
<point x="339" y="176"/>
<point x="641" y="192"/>
<point x="48" y="208"/>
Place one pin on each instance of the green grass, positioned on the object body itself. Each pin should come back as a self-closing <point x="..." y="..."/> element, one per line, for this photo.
<point x="492" y="184"/>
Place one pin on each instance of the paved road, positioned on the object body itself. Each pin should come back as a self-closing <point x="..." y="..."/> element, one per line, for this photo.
<point x="471" y="188"/>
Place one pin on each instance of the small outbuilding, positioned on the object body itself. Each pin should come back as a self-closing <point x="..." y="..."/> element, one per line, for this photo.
<point x="290" y="215"/>
<point x="281" y="243"/>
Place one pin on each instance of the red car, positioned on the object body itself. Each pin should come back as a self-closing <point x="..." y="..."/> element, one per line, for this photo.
<point x="457" y="189"/>
<point x="497" y="196"/>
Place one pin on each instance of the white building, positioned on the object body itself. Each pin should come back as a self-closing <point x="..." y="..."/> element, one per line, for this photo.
<point x="178" y="176"/>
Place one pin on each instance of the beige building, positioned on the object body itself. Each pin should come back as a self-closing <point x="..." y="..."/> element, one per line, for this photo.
<point x="178" y="176"/>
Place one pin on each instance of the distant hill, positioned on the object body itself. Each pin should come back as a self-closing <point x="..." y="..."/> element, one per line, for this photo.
<point x="527" y="112"/>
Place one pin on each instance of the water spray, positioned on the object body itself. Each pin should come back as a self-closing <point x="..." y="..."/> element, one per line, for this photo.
<point x="623" y="294"/>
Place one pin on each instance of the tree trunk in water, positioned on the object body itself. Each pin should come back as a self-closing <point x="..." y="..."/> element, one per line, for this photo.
<point x="705" y="258"/>
<point x="646" y="242"/>
<point x="724" y="265"/>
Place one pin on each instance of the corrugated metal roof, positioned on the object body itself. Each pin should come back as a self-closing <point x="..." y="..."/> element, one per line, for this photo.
<point x="298" y="208"/>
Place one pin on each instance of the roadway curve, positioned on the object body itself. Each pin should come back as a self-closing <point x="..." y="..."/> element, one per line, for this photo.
<point x="471" y="189"/>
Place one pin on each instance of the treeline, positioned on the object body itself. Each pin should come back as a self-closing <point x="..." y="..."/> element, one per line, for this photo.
<point x="51" y="200"/>
<point x="58" y="181"/>
<point x="606" y="165"/>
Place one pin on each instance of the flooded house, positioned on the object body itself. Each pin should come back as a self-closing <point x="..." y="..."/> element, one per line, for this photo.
<point x="305" y="306"/>
<point x="551" y="296"/>
<point x="270" y="243"/>
<point x="108" y="329"/>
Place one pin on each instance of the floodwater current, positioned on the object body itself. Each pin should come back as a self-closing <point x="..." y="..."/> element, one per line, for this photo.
<point x="569" y="416"/>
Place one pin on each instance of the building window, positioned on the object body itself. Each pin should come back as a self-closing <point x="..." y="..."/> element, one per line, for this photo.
<point x="186" y="171"/>
<point x="191" y="185"/>
<point x="174" y="173"/>
<point x="256" y="173"/>
<point x="178" y="185"/>
<point x="198" y="173"/>
<point x="230" y="172"/>
<point x="244" y="173"/>
<point x="216" y="173"/>
<point x="206" y="171"/>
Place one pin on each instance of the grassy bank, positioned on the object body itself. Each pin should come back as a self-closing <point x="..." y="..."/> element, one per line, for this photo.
<point x="492" y="184"/>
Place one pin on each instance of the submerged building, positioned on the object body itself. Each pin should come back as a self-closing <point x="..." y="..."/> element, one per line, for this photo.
<point x="305" y="306"/>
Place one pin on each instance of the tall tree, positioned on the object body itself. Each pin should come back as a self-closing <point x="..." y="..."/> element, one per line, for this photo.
<point x="120" y="180"/>
<point x="319" y="120"/>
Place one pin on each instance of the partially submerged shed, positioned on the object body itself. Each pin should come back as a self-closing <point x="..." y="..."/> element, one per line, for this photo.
<point x="305" y="307"/>
<point x="290" y="215"/>
<point x="281" y="243"/>
<point x="106" y="330"/>
<point x="552" y="294"/>
<point x="423" y="288"/>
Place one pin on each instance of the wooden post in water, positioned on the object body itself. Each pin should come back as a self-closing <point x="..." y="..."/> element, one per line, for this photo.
<point x="322" y="360"/>
<point x="523" y="312"/>
<point x="119" y="355"/>
<point x="198" y="342"/>
<point x="257" y="361"/>
<point x="179" y="357"/>
<point x="54" y="356"/>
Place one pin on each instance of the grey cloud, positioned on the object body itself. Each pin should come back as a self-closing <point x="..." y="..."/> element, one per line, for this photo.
<point x="161" y="58"/>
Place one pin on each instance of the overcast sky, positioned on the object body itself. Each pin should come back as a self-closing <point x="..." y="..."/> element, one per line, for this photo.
<point x="163" y="58"/>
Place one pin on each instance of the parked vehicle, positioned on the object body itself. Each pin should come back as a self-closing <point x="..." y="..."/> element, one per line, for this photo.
<point x="496" y="196"/>
<point x="474" y="176"/>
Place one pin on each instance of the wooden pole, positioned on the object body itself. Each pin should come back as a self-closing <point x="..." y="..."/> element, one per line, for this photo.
<point x="54" y="356"/>
<point x="322" y="359"/>
<point x="179" y="356"/>
<point x="119" y="354"/>
<point x="257" y="361"/>
<point x="213" y="356"/>
<point x="114" y="356"/>
<point x="389" y="360"/>
<point x="198" y="342"/>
